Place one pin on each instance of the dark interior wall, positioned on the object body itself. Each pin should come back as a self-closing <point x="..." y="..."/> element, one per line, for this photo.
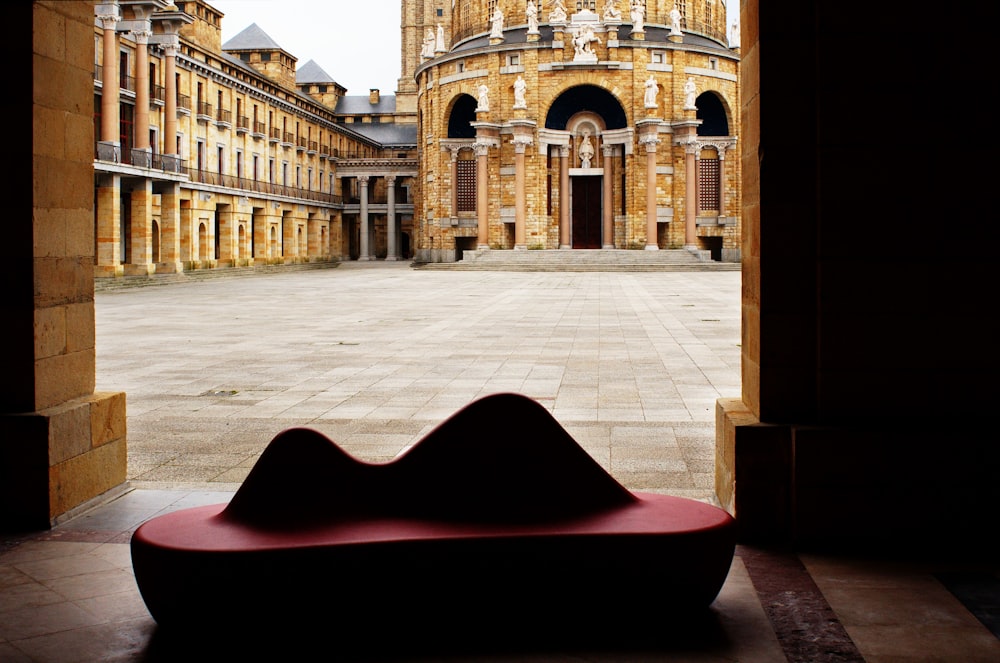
<point x="869" y="341"/>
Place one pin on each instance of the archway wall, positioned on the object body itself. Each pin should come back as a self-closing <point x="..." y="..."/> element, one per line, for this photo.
<point x="63" y="444"/>
<point x="558" y="87"/>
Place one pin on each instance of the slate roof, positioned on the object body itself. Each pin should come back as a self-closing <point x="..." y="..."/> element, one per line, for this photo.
<point x="360" y="105"/>
<point x="388" y="135"/>
<point x="311" y="72"/>
<point x="252" y="38"/>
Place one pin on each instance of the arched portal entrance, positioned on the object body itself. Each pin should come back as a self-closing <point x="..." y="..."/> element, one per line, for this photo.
<point x="589" y="126"/>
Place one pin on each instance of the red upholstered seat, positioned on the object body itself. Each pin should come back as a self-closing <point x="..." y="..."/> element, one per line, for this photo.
<point x="497" y="517"/>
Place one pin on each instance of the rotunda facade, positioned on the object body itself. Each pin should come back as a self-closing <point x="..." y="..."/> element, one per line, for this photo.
<point x="607" y="124"/>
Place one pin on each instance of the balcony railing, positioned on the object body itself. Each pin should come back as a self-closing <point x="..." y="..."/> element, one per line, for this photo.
<point x="242" y="124"/>
<point x="204" y="110"/>
<point x="289" y="138"/>
<point x="184" y="102"/>
<point x="256" y="186"/>
<point x="157" y="93"/>
<point x="224" y="118"/>
<point x="274" y="134"/>
<point x="127" y="82"/>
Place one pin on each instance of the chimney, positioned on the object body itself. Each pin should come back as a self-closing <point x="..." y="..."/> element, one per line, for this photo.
<point x="373" y="96"/>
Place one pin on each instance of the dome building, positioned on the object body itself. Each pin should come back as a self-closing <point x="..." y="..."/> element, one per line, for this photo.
<point x="607" y="124"/>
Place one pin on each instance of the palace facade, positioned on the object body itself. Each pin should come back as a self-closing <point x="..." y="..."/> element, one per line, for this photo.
<point x="514" y="126"/>
<point x="211" y="155"/>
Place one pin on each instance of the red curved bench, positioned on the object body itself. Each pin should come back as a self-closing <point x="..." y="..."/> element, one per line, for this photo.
<point x="497" y="518"/>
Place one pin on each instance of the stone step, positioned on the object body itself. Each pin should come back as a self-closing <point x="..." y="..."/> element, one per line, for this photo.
<point x="121" y="282"/>
<point x="584" y="260"/>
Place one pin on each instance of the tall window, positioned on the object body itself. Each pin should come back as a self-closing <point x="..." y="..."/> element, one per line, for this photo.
<point x="465" y="186"/>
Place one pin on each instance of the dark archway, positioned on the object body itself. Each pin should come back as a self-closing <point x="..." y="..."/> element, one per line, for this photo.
<point x="712" y="114"/>
<point x="463" y="113"/>
<point x="586" y="98"/>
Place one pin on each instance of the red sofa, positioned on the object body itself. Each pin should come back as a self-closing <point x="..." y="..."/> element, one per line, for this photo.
<point x="496" y="521"/>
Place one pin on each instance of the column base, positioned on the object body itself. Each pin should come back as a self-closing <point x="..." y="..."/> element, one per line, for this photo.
<point x="652" y="247"/>
<point x="108" y="271"/>
<point x="520" y="247"/>
<point x="565" y="247"/>
<point x="139" y="270"/>
<point x="364" y="258"/>
<point x="608" y="247"/>
<point x="391" y="258"/>
<point x="169" y="267"/>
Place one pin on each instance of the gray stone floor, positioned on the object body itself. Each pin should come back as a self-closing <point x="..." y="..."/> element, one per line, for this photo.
<point x="376" y="354"/>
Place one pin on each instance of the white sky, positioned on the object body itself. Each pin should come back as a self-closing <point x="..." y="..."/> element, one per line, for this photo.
<point x="356" y="42"/>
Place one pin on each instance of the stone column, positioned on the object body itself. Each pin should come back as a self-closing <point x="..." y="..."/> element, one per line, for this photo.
<point x="691" y="195"/>
<point x="482" y="195"/>
<point x="363" y="192"/>
<point x="390" y="218"/>
<point x="140" y="259"/>
<point x="722" y="182"/>
<point x="608" y="206"/>
<point x="170" y="101"/>
<point x="142" y="97"/>
<point x="170" y="221"/>
<point x="227" y="234"/>
<point x="487" y="136"/>
<point x="109" y="148"/>
<point x="648" y="130"/>
<point x="109" y="221"/>
<point x="523" y="137"/>
<point x="454" y="182"/>
<point x="564" y="223"/>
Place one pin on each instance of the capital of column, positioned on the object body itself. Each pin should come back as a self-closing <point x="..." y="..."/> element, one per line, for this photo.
<point x="390" y="179"/>
<point x="649" y="141"/>
<point x="608" y="150"/>
<point x="109" y="18"/>
<point x="363" y="179"/>
<point x="564" y="151"/>
<point x="141" y="37"/>
<point x="482" y="149"/>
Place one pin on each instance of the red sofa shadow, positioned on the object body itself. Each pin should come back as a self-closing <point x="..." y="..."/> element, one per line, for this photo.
<point x="496" y="522"/>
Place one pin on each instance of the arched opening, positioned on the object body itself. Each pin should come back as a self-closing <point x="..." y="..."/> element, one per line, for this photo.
<point x="156" y="241"/>
<point x="241" y="235"/>
<point x="711" y="112"/>
<point x="463" y="113"/>
<point x="202" y="241"/>
<point x="585" y="113"/>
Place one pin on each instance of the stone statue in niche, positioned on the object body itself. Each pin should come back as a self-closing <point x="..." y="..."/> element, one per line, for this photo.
<point x="690" y="90"/>
<point x="586" y="150"/>
<point x="558" y="12"/>
<point x="675" y="21"/>
<point x="652" y="89"/>
<point x="428" y="48"/>
<point x="531" y="13"/>
<point x="611" y="11"/>
<point x="638" y="15"/>
<point x="497" y="24"/>
<point x="519" y="89"/>
<point x="484" y="98"/>
<point x="582" y="43"/>
<point x="440" y="38"/>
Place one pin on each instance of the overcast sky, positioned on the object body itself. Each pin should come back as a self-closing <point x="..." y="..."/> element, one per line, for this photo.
<point x="356" y="42"/>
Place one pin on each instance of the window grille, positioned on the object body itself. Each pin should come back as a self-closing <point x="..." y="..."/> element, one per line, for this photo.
<point x="466" y="185"/>
<point x="708" y="184"/>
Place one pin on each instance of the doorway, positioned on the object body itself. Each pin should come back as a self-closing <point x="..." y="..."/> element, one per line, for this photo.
<point x="586" y="209"/>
